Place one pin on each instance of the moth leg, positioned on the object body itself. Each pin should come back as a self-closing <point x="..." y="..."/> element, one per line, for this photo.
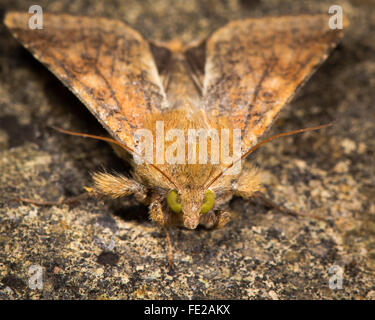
<point x="116" y="186"/>
<point x="223" y="217"/>
<point x="248" y="185"/>
<point x="157" y="214"/>
<point x="215" y="219"/>
<point x="162" y="215"/>
<point x="170" y="248"/>
<point x="273" y="205"/>
<point x="70" y="200"/>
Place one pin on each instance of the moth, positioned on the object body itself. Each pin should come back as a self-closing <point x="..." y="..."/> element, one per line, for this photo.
<point x="238" y="78"/>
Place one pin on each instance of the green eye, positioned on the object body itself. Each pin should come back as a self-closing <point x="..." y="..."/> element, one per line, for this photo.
<point x="173" y="203"/>
<point x="208" y="202"/>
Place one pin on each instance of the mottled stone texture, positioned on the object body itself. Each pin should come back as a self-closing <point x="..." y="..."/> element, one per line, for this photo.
<point x="109" y="249"/>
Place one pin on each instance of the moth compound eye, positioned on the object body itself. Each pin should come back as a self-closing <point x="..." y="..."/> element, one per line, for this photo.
<point x="173" y="201"/>
<point x="208" y="202"/>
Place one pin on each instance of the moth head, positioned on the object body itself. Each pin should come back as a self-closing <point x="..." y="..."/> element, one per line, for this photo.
<point x="188" y="202"/>
<point x="191" y="204"/>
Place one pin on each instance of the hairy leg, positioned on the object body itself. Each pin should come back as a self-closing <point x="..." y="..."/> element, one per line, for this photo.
<point x="116" y="186"/>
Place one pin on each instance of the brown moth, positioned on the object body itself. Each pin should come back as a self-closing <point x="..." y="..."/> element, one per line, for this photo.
<point x="238" y="78"/>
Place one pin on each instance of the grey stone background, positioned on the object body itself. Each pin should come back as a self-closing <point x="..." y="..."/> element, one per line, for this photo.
<point x="110" y="250"/>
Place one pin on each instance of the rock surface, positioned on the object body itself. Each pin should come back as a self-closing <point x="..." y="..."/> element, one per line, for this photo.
<point x="110" y="250"/>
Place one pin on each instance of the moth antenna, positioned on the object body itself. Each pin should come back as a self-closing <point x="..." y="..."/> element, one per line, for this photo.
<point x="122" y="145"/>
<point x="252" y="149"/>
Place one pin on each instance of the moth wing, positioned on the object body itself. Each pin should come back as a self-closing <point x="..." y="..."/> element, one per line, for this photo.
<point x="254" y="66"/>
<point x="108" y="65"/>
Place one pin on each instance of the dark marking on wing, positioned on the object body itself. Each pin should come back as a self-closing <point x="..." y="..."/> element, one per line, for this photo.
<point x="254" y="67"/>
<point x="108" y="65"/>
